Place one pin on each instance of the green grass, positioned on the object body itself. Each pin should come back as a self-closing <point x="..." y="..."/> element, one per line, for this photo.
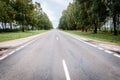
<point x="101" y="36"/>
<point x="17" y="35"/>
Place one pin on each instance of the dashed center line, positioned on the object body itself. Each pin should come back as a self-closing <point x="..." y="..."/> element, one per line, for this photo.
<point x="66" y="70"/>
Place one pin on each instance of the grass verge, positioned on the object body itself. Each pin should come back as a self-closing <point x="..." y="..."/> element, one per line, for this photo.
<point x="17" y="35"/>
<point x="101" y="36"/>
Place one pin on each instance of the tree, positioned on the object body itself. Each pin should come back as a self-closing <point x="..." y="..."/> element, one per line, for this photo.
<point x="23" y="12"/>
<point x="7" y="13"/>
<point x="114" y="11"/>
<point x="64" y="22"/>
<point x="42" y="19"/>
<point x="84" y="15"/>
<point x="24" y="8"/>
<point x="98" y="13"/>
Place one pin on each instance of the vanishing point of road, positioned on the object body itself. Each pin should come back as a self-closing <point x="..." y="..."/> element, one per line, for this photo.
<point x="58" y="56"/>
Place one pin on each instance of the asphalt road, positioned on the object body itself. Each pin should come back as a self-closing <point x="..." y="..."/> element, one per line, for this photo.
<point x="57" y="56"/>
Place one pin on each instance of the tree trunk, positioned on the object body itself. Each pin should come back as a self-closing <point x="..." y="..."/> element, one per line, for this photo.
<point x="86" y="30"/>
<point x="82" y="29"/>
<point x="11" y="27"/>
<point x="23" y="30"/>
<point x="115" y="26"/>
<point x="95" y="28"/>
<point x="32" y="28"/>
<point x="118" y="24"/>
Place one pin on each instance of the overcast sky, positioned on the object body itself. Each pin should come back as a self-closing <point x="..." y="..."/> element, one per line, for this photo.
<point x="54" y="8"/>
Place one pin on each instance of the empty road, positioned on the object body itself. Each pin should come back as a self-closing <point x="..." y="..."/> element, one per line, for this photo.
<point x="58" y="56"/>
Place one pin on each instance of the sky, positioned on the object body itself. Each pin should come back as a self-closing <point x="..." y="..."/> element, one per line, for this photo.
<point x="54" y="8"/>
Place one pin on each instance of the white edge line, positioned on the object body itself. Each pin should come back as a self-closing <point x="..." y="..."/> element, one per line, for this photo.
<point x="66" y="70"/>
<point x="100" y="48"/>
<point x="107" y="51"/>
<point x="11" y="52"/>
<point x="116" y="55"/>
<point x="17" y="49"/>
<point x="3" y="57"/>
<point x="82" y="40"/>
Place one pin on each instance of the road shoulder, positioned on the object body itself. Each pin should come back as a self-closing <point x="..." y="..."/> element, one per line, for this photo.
<point x="115" y="48"/>
<point x="9" y="46"/>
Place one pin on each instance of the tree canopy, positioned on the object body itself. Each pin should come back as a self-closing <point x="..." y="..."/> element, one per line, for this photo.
<point x="90" y="15"/>
<point x="24" y="13"/>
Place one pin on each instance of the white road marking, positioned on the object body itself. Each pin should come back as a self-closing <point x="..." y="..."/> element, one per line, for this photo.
<point x="5" y="56"/>
<point x="107" y="51"/>
<point x="11" y="52"/>
<point x="116" y="55"/>
<point x="19" y="48"/>
<point x="100" y="48"/>
<point x="1" y="58"/>
<point x="66" y="70"/>
<point x="57" y="38"/>
<point x="82" y="40"/>
<point x="91" y="45"/>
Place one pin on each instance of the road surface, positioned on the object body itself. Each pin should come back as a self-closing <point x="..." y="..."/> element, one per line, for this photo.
<point x="58" y="56"/>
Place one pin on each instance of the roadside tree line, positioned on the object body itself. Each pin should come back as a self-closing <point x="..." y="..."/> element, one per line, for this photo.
<point x="22" y="15"/>
<point x="91" y="15"/>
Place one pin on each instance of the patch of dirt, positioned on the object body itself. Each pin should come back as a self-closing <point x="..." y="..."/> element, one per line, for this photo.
<point x="118" y="52"/>
<point x="89" y="41"/>
<point x="3" y="50"/>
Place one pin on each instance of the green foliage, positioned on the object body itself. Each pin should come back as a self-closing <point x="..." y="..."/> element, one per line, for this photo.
<point x="7" y="13"/>
<point x="24" y="13"/>
<point x="44" y="22"/>
<point x="114" y="12"/>
<point x="90" y="15"/>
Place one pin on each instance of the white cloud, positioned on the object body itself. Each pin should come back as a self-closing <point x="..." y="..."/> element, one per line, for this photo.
<point x="60" y="2"/>
<point x="54" y="8"/>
